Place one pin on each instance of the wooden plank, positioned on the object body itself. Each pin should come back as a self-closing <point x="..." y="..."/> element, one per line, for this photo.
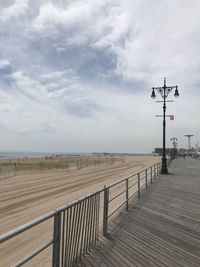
<point x="162" y="228"/>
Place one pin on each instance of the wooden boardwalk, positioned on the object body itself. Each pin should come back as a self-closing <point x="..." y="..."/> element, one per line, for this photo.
<point x="162" y="228"/>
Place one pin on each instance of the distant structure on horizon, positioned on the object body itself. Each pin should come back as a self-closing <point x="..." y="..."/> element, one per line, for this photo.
<point x="189" y="140"/>
<point x="159" y="150"/>
<point x="197" y="147"/>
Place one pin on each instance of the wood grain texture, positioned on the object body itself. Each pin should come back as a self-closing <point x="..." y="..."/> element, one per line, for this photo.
<point x="162" y="228"/>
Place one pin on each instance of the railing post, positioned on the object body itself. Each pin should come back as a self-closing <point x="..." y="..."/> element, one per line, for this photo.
<point x="139" y="184"/>
<point x="56" y="240"/>
<point x="154" y="171"/>
<point x="105" y="211"/>
<point x="146" y="178"/>
<point x="151" y="175"/>
<point x="127" y="194"/>
<point x="157" y="169"/>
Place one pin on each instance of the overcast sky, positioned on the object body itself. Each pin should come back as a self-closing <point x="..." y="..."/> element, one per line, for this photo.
<point x="77" y="75"/>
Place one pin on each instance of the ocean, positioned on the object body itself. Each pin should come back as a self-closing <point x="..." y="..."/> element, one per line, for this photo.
<point x="13" y="154"/>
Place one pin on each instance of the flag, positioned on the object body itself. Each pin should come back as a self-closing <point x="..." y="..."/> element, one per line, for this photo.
<point x="171" y="117"/>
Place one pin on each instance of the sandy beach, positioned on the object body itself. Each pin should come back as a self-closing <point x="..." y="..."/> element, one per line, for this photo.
<point x="25" y="197"/>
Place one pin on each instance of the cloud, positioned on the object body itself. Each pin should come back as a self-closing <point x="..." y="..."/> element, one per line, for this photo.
<point x="4" y="64"/>
<point x="159" y="43"/>
<point x="18" y="8"/>
<point x="80" y="73"/>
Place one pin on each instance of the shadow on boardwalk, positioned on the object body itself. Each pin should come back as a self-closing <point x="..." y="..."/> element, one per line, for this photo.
<point x="162" y="228"/>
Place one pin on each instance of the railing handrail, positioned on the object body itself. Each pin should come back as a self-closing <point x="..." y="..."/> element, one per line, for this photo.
<point x="22" y="228"/>
<point x="129" y="176"/>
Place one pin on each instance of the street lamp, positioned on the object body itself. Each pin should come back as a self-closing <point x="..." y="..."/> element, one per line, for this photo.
<point x="164" y="92"/>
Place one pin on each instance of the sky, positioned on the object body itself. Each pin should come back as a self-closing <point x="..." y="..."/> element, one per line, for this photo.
<point x="77" y="75"/>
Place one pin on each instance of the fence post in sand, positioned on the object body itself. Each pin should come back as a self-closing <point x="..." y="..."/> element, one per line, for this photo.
<point x="15" y="168"/>
<point x="56" y="240"/>
<point x="105" y="211"/>
<point x="139" y="184"/>
<point x="67" y="166"/>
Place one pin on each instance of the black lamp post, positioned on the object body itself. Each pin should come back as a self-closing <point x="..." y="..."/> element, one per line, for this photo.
<point x="164" y="91"/>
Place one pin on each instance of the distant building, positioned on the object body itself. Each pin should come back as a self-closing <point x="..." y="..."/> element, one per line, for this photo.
<point x="159" y="150"/>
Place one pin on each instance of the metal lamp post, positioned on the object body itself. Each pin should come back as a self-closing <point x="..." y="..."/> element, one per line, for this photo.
<point x="164" y="91"/>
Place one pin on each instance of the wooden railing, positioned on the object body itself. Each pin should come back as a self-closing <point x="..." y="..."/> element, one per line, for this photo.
<point x="77" y="226"/>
